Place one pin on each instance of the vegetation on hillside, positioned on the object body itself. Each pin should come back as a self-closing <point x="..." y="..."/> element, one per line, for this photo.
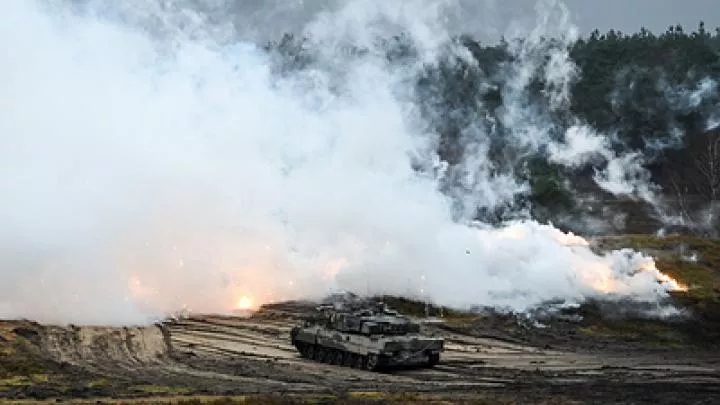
<point x="651" y="94"/>
<point x="695" y="262"/>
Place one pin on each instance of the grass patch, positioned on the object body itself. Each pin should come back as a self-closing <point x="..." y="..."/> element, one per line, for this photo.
<point x="19" y="358"/>
<point x="693" y="261"/>
<point x="657" y="333"/>
<point x="252" y="399"/>
<point x="15" y="381"/>
<point x="161" y="389"/>
<point x="414" y="307"/>
<point x="353" y="398"/>
<point x="98" y="383"/>
<point x="394" y="398"/>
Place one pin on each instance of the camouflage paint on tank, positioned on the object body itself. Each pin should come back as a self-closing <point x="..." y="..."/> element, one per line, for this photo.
<point x="365" y="336"/>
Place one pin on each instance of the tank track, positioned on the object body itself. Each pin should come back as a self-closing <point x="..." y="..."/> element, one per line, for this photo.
<point x="338" y="357"/>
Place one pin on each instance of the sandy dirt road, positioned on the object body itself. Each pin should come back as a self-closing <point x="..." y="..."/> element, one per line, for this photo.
<point x="470" y="366"/>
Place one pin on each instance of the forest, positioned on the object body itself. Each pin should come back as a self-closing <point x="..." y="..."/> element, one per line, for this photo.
<point x="651" y="98"/>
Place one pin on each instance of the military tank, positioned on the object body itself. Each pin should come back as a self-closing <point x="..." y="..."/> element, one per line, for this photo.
<point x="371" y="337"/>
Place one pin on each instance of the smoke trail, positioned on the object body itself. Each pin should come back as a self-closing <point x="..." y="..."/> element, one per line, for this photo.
<point x="151" y="163"/>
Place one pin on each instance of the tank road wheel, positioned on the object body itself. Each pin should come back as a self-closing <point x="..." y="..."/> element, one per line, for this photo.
<point x="350" y="360"/>
<point x="372" y="362"/>
<point x="359" y="361"/>
<point x="330" y="359"/>
<point x="310" y="352"/>
<point x="332" y="353"/>
<point x="327" y="356"/>
<point x="304" y="349"/>
<point x="341" y="358"/>
<point x="318" y="354"/>
<point x="336" y="357"/>
<point x="433" y="359"/>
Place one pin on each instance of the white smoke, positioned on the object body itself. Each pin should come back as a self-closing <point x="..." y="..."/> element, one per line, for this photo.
<point x="150" y="163"/>
<point x="544" y="52"/>
<point x="622" y="174"/>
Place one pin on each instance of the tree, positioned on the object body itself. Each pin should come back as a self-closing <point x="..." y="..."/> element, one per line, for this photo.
<point x="695" y="181"/>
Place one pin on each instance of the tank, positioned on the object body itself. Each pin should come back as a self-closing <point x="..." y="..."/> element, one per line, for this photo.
<point x="371" y="337"/>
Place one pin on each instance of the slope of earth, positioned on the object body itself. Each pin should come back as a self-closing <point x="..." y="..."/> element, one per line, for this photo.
<point x="695" y="262"/>
<point x="202" y="356"/>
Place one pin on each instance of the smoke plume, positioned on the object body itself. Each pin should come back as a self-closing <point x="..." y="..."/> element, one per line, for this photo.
<point x="153" y="162"/>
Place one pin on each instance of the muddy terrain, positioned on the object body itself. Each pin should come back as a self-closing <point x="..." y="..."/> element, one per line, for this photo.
<point x="242" y="357"/>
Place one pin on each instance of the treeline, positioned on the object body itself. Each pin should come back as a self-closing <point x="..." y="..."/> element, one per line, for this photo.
<point x="655" y="94"/>
<point x="641" y="83"/>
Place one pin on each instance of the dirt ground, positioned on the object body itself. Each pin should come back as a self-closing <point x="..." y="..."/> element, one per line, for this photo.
<point x="248" y="358"/>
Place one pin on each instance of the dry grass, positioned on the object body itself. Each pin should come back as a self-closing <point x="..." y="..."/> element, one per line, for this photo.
<point x="18" y="358"/>
<point x="352" y="398"/>
<point x="415" y="307"/>
<point x="674" y="256"/>
<point x="160" y="389"/>
<point x="693" y="261"/>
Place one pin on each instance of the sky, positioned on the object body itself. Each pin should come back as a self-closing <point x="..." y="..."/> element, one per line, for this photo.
<point x="630" y="15"/>
<point x="489" y="19"/>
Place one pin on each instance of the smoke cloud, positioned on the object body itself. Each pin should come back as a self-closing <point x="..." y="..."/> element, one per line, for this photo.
<point x="153" y="163"/>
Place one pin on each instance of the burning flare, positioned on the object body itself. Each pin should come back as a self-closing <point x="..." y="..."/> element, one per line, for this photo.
<point x="244" y="303"/>
<point x="613" y="273"/>
<point x="670" y="283"/>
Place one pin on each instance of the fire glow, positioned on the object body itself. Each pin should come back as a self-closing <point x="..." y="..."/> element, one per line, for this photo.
<point x="596" y="272"/>
<point x="245" y="303"/>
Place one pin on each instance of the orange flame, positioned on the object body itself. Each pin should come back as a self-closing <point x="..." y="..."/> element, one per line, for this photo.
<point x="606" y="283"/>
<point x="244" y="303"/>
<point x="673" y="284"/>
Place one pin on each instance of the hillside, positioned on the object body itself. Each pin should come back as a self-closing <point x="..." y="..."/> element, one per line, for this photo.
<point x="652" y="97"/>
